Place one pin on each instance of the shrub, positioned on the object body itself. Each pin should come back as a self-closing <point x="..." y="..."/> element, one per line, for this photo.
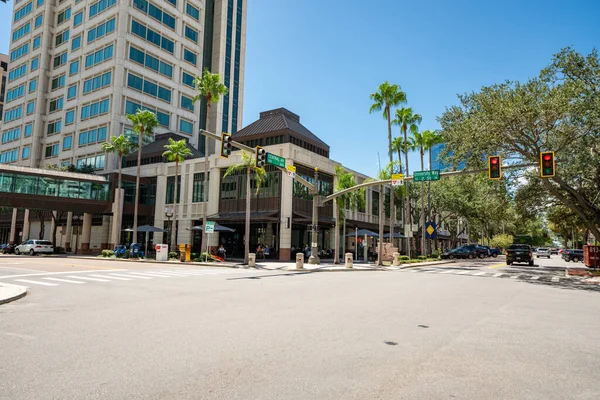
<point x="435" y="254"/>
<point x="127" y="253"/>
<point x="206" y="257"/>
<point x="194" y="256"/>
<point x="404" y="258"/>
<point x="173" y="254"/>
<point x="107" y="253"/>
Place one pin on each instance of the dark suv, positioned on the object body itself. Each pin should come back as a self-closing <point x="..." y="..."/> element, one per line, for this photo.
<point x="572" y="255"/>
<point x="519" y="253"/>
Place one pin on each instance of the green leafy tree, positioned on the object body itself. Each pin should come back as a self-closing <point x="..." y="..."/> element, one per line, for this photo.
<point x="407" y="120"/>
<point x="349" y="201"/>
<point x="558" y="111"/>
<point x="386" y="97"/>
<point x="502" y="241"/>
<point x="248" y="164"/>
<point x="144" y="122"/>
<point x="122" y="146"/>
<point x="176" y="151"/>
<point x="210" y="90"/>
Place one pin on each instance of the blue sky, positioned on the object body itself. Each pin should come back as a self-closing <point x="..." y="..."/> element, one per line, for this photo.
<point x="322" y="58"/>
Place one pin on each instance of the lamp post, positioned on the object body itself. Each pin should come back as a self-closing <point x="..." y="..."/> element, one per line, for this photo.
<point x="169" y="215"/>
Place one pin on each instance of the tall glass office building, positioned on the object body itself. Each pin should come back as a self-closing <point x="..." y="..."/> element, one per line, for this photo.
<point x="77" y="67"/>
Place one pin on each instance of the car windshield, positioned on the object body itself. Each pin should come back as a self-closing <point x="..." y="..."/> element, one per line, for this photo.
<point x="541" y="249"/>
<point x="45" y="242"/>
<point x="519" y="247"/>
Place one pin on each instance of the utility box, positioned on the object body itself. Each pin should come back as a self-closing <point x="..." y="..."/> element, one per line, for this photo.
<point x="162" y="252"/>
<point x="252" y="259"/>
<point x="349" y="257"/>
<point x="300" y="260"/>
<point x="185" y="252"/>
<point x="591" y="256"/>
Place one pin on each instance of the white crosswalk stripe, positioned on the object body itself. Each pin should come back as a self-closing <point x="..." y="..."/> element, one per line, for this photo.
<point x="452" y="271"/>
<point x="514" y="276"/>
<point x="36" y="282"/>
<point x="535" y="278"/>
<point x="134" y="275"/>
<point x="497" y="275"/>
<point x="156" y="274"/>
<point x="480" y="273"/>
<point x="63" y="280"/>
<point x="555" y="279"/>
<point x="88" y="278"/>
<point x="111" y="277"/>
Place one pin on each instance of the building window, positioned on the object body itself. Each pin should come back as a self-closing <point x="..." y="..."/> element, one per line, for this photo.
<point x="149" y="61"/>
<point x="23" y="11"/>
<point x="38" y="20"/>
<point x="78" y="19"/>
<point x="97" y="162"/>
<point x="59" y="60"/>
<point x="161" y="16"/>
<point x="35" y="63"/>
<point x="189" y="56"/>
<point x="54" y="127"/>
<point x="19" y="52"/>
<point x="67" y="143"/>
<point x="61" y="38"/>
<point x="57" y="82"/>
<point x="186" y="126"/>
<point x="30" y="107"/>
<point x="70" y="117"/>
<point x="92" y="136"/>
<point x="56" y="104"/>
<point x="100" y="6"/>
<point x="72" y="92"/>
<point x="191" y="34"/>
<point x="17" y="72"/>
<point x="32" y="85"/>
<point x="97" y="82"/>
<point x="52" y="150"/>
<point x="25" y="154"/>
<point x="63" y="16"/>
<point x="163" y="118"/>
<point x="101" y="30"/>
<point x="74" y="68"/>
<point x="95" y="109"/>
<point x="99" y="56"/>
<point x="192" y="11"/>
<point x="171" y="189"/>
<point x="149" y="87"/>
<point x="152" y="36"/>
<point x="76" y="43"/>
<point x="22" y="31"/>
<point x="187" y="79"/>
<point x="28" y="130"/>
<point x="187" y="103"/>
<point x="198" y="187"/>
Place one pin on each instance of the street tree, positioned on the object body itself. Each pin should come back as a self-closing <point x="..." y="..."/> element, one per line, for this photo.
<point x="259" y="174"/>
<point x="388" y="96"/>
<point x="556" y="111"/>
<point x="209" y="90"/>
<point x="407" y="120"/>
<point x="349" y="201"/>
<point x="502" y="240"/>
<point x="144" y="122"/>
<point x="176" y="151"/>
<point x="122" y="146"/>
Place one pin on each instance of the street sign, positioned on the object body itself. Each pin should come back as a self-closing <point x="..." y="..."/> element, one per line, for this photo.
<point x="423" y="176"/>
<point x="397" y="179"/>
<point x="275" y="160"/>
<point x="430" y="230"/>
<point x="291" y="171"/>
<point x="210" y="227"/>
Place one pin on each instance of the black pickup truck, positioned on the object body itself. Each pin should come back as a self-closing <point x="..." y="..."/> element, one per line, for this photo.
<point x="519" y="253"/>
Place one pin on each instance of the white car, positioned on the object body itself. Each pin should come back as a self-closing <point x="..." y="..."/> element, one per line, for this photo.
<point x="543" y="252"/>
<point x="34" y="247"/>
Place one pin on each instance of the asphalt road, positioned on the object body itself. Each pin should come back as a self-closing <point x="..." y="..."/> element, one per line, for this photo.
<point x="220" y="333"/>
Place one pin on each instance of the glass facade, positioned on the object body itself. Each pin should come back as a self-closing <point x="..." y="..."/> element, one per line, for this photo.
<point x="56" y="187"/>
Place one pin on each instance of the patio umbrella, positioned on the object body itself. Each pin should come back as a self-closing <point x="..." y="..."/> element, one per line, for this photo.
<point x="363" y="232"/>
<point x="397" y="235"/>
<point x="218" y="228"/>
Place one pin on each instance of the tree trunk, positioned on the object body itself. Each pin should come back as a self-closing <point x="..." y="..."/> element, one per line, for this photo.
<point x="54" y="227"/>
<point x="403" y="205"/>
<point x="381" y="220"/>
<point x="392" y="196"/>
<point x="247" y="227"/>
<point x="205" y="191"/>
<point x="137" y="185"/>
<point x="423" y="249"/>
<point x="429" y="215"/>
<point x="118" y="198"/>
<point x="344" y="243"/>
<point x="174" y="226"/>
<point x="406" y="194"/>
<point x="336" y="247"/>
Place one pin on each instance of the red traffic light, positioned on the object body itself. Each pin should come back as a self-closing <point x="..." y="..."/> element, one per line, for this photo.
<point x="494" y="167"/>
<point x="547" y="164"/>
<point x="494" y="161"/>
<point x="547" y="157"/>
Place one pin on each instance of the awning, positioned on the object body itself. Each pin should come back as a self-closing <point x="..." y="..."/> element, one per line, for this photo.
<point x="255" y="216"/>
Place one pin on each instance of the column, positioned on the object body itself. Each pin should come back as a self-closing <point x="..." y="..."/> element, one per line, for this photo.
<point x="25" y="226"/>
<point x="13" y="227"/>
<point x="69" y="231"/>
<point x="285" y="222"/>
<point x="115" y="230"/>
<point x="86" y="233"/>
<point x="104" y="244"/>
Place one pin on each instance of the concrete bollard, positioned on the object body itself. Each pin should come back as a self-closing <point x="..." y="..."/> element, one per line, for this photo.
<point x="396" y="261"/>
<point x="299" y="261"/>
<point x="252" y="259"/>
<point x="349" y="259"/>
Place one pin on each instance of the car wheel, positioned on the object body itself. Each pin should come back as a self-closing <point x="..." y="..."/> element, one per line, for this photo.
<point x="575" y="259"/>
<point x="451" y="257"/>
<point x="470" y="256"/>
<point x="508" y="262"/>
<point x="494" y="255"/>
<point x="17" y="251"/>
<point x="531" y="263"/>
<point x="31" y="252"/>
<point x="481" y="255"/>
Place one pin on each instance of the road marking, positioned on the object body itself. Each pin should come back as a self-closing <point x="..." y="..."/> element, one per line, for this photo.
<point x="480" y="273"/>
<point x="155" y="274"/>
<point x="497" y="275"/>
<point x="54" y="273"/>
<point x="36" y="282"/>
<point x="125" y="277"/>
<point x="514" y="276"/>
<point x="555" y="279"/>
<point x="135" y="275"/>
<point x="89" y="279"/>
<point x="63" y="280"/>
<point x="432" y="271"/>
<point x="449" y="272"/>
<point x="416" y="270"/>
<point x="169" y="273"/>
<point x="535" y="278"/>
<point x="464" y="272"/>
<point x="111" y="277"/>
<point x="498" y="265"/>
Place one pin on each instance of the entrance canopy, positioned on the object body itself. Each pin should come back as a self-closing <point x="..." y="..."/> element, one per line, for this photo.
<point x="145" y="228"/>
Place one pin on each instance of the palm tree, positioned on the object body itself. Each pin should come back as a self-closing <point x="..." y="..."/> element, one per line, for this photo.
<point x="176" y="151"/>
<point x="210" y="89"/>
<point x="249" y="164"/>
<point x="420" y="142"/>
<point x="122" y="146"/>
<point x="407" y="120"/>
<point x="144" y="123"/>
<point x="386" y="97"/>
<point x="349" y="201"/>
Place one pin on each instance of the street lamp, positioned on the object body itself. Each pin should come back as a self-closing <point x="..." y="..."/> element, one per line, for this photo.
<point x="169" y="215"/>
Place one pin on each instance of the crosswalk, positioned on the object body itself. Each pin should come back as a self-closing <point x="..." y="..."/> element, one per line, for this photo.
<point x="506" y="275"/>
<point x="107" y="277"/>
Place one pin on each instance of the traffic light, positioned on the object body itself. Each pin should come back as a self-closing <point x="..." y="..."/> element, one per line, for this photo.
<point x="225" y="145"/>
<point x="495" y="167"/>
<point x="261" y="156"/>
<point x="547" y="164"/>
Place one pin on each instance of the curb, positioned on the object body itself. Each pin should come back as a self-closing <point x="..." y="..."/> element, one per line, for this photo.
<point x="22" y="293"/>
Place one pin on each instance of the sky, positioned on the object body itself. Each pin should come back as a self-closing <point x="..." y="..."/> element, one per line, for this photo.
<point x="322" y="58"/>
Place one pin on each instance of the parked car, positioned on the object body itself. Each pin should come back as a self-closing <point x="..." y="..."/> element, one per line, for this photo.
<point x="543" y="252"/>
<point x="450" y="254"/>
<point x="482" y="251"/>
<point x="8" y="249"/>
<point x="491" y="252"/>
<point x="554" y="250"/>
<point x="572" y="255"/>
<point x="519" y="253"/>
<point x="34" y="247"/>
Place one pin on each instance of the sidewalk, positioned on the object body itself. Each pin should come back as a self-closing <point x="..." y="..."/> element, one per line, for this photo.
<point x="10" y="292"/>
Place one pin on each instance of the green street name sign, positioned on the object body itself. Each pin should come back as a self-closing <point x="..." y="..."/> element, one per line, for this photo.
<point x="423" y="176"/>
<point x="275" y="160"/>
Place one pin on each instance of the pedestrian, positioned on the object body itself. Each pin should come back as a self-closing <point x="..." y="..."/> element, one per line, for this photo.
<point x="267" y="251"/>
<point x="221" y="252"/>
